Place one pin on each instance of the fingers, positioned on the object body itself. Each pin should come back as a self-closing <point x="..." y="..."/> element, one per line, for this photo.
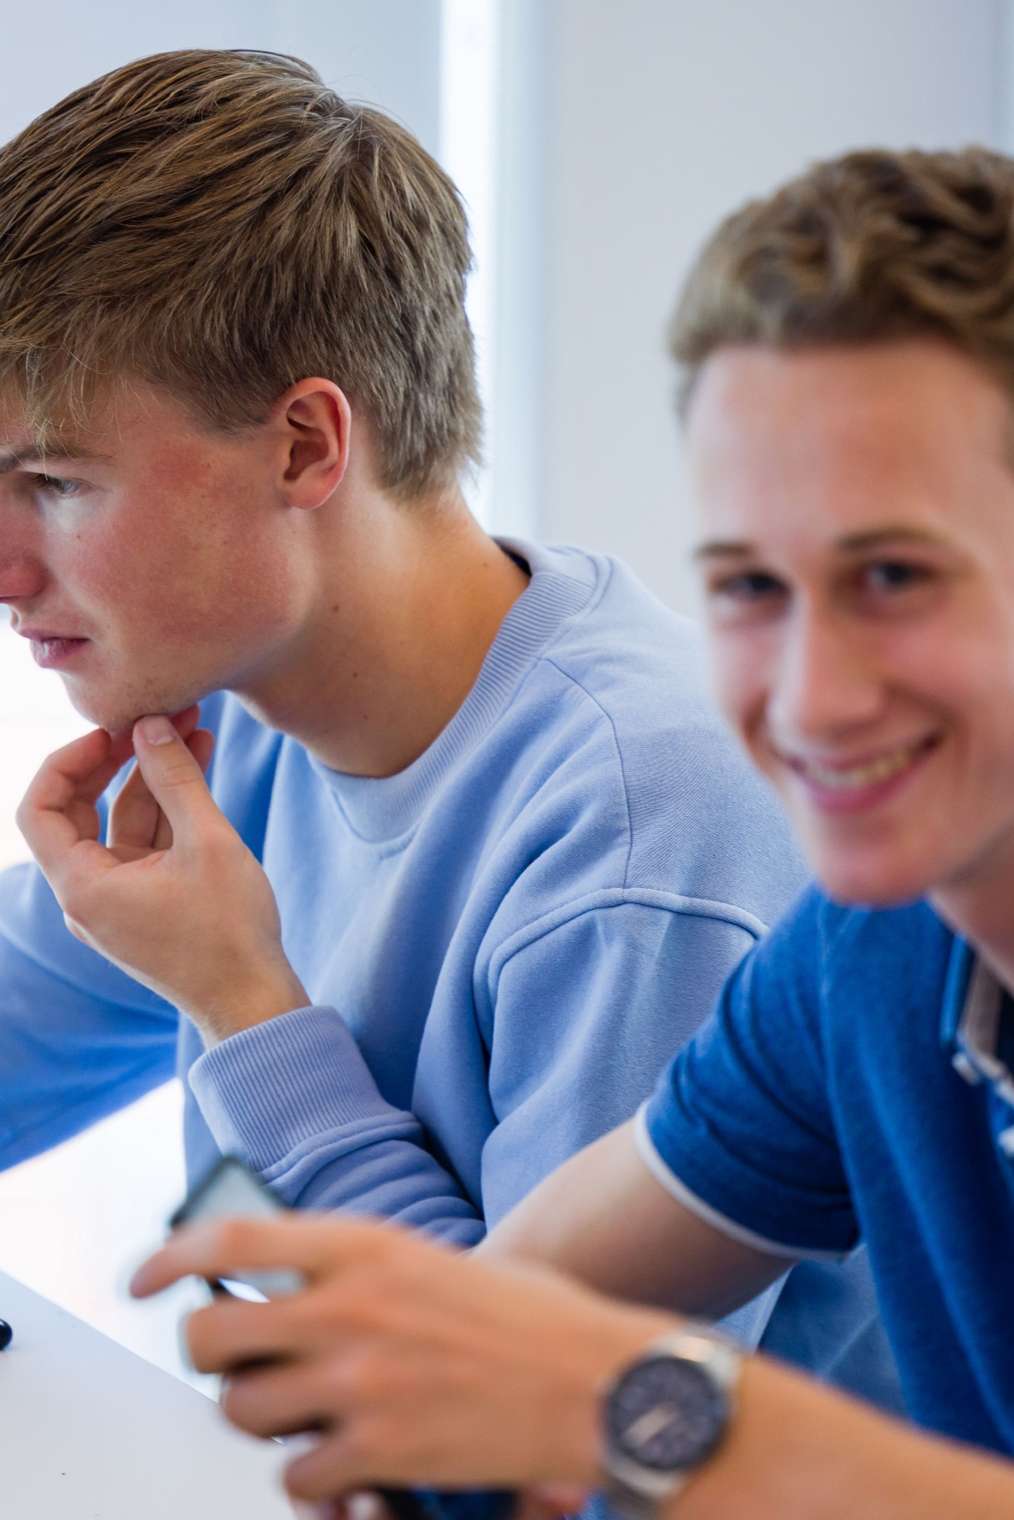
<point x="174" y="777"/>
<point x="184" y="721"/>
<point x="327" y="1469"/>
<point x="58" y="810"/>
<point x="135" y="816"/>
<point x="279" y="1401"/>
<point x="360" y="1455"/>
<point x="201" y="744"/>
<point x="233" y="1334"/>
<point x="136" y="821"/>
<point x="364" y="1505"/>
<point x="313" y="1245"/>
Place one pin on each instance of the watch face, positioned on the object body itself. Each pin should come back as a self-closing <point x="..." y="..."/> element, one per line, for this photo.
<point x="666" y="1413"/>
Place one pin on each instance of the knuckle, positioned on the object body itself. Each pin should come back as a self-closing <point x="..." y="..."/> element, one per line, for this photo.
<point x="355" y="1449"/>
<point x="376" y="1441"/>
<point x="75" y="906"/>
<point x="178" y="771"/>
<point x="197" y="1341"/>
<point x="230" y="1240"/>
<point x="299" y="1483"/>
<point x="238" y="1402"/>
<point x="231" y="1401"/>
<point x="218" y="843"/>
<point x="352" y="1309"/>
<point x="363" y="1376"/>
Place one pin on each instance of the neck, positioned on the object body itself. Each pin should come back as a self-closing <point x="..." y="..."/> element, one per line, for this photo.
<point x="980" y="909"/>
<point x="395" y="633"/>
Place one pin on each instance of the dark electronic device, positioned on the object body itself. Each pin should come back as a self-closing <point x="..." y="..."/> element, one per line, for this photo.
<point x="6" y="1335"/>
<point x="231" y="1189"/>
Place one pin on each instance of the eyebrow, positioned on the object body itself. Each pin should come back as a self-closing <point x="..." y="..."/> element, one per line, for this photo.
<point x="31" y="453"/>
<point x="851" y="543"/>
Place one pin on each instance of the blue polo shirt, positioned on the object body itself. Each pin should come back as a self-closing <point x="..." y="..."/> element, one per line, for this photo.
<point x="855" y="1086"/>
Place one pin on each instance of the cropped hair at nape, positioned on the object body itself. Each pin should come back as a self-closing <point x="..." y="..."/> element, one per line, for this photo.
<point x="223" y="225"/>
<point x="865" y="248"/>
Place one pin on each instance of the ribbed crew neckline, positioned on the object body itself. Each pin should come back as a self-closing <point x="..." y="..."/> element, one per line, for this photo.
<point x="562" y="583"/>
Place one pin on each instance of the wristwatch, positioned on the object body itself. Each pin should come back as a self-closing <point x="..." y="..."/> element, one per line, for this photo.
<point x="663" y="1416"/>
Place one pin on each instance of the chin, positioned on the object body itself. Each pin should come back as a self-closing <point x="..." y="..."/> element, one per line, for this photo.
<point x="99" y="714"/>
<point x="119" y="714"/>
<point x="869" y="884"/>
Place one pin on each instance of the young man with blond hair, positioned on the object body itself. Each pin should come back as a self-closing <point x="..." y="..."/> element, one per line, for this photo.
<point x="473" y="853"/>
<point x="847" y="348"/>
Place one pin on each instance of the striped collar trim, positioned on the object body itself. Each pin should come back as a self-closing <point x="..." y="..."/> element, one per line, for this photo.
<point x="973" y="1007"/>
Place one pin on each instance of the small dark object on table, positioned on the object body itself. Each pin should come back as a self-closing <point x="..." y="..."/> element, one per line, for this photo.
<point x="6" y="1335"/>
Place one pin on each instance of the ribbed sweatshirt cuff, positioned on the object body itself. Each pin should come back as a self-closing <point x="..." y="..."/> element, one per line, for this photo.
<point x="268" y="1090"/>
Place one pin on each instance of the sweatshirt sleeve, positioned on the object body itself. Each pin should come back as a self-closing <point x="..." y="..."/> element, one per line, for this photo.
<point x="295" y="1099"/>
<point x="78" y="1038"/>
<point x="579" y="1013"/>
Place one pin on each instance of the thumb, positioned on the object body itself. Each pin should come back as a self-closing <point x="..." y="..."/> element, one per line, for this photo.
<point x="173" y="776"/>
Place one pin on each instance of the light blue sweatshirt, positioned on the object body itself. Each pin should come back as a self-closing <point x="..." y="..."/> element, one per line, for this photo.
<point x="504" y="943"/>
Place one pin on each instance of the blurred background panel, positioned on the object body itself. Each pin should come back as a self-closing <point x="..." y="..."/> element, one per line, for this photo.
<point x="596" y="144"/>
<point x="386" y="51"/>
<point x="660" y="118"/>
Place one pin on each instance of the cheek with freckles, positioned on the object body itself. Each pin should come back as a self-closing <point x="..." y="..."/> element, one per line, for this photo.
<point x="185" y="564"/>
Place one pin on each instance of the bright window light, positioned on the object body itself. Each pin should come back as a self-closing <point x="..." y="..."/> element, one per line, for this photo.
<point x="468" y="152"/>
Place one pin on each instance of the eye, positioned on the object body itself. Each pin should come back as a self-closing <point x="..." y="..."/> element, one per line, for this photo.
<point x="748" y="586"/>
<point x="57" y="486"/>
<point x="893" y="575"/>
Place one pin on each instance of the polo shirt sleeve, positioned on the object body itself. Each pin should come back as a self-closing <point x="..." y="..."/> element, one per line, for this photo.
<point x="740" y="1127"/>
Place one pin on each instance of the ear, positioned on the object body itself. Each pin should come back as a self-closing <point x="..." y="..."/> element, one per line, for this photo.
<point x="315" y="421"/>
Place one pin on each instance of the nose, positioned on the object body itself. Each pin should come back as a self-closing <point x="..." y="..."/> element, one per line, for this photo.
<point x="826" y="684"/>
<point x="22" y="575"/>
<point x="20" y="579"/>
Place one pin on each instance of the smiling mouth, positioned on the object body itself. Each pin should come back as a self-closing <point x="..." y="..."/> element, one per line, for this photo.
<point x="862" y="774"/>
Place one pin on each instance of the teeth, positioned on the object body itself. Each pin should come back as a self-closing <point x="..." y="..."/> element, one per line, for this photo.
<point x="860" y="775"/>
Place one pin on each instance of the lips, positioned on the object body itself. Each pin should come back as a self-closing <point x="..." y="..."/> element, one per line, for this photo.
<point x="52" y="651"/>
<point x="847" y="783"/>
<point x="843" y="775"/>
<point x="54" y="643"/>
<point x="47" y="635"/>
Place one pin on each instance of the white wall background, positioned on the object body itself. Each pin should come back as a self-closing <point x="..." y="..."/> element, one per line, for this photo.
<point x="382" y="51"/>
<point x="661" y="117"/>
<point x="619" y="134"/>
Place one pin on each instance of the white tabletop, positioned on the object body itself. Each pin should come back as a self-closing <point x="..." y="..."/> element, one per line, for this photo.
<point x="89" y="1430"/>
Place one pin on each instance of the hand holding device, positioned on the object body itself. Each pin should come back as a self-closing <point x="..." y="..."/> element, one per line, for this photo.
<point x="232" y="1191"/>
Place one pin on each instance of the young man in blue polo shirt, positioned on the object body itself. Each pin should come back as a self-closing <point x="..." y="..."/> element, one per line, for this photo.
<point x="848" y="357"/>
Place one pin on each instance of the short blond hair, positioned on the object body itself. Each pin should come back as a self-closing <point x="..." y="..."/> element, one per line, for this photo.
<point x="222" y="224"/>
<point x="865" y="248"/>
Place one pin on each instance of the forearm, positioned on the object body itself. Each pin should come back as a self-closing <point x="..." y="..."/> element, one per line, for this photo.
<point x="798" y="1451"/>
<point x="295" y="1099"/>
<point x="603" y="1219"/>
<point x="77" y="1039"/>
